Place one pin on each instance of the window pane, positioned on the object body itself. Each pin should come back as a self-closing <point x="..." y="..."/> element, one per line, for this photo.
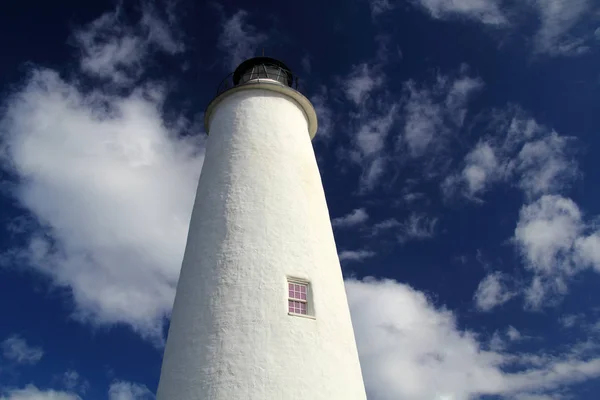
<point x="298" y="298"/>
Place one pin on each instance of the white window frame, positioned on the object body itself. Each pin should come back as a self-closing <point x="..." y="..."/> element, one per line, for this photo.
<point x="309" y="303"/>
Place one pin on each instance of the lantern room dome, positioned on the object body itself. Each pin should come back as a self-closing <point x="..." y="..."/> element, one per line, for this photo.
<point x="262" y="68"/>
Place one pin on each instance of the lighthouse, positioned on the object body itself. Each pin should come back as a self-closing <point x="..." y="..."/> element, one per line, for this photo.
<point x="260" y="310"/>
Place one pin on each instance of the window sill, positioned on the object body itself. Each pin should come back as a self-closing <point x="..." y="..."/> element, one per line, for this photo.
<point x="301" y="315"/>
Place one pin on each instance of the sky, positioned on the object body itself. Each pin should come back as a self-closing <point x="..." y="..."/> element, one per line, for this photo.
<point x="457" y="146"/>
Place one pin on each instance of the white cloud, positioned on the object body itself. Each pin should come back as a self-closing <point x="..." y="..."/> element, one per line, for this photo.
<point x="73" y="382"/>
<point x="15" y="348"/>
<point x="546" y="232"/>
<point x="411" y="350"/>
<point x="129" y="391"/>
<point x="481" y="168"/>
<point x="433" y="111"/>
<point x="544" y="166"/>
<point x="355" y="217"/>
<point x="571" y="320"/>
<point x="161" y="33"/>
<point x="492" y="291"/>
<point x="557" y="20"/>
<point x="372" y="173"/>
<point x="519" y="151"/>
<point x="113" y="50"/>
<point x="370" y="139"/>
<point x="484" y="11"/>
<point x="379" y="6"/>
<point x="513" y="334"/>
<point x="355" y="255"/>
<point x="564" y="29"/>
<point x="372" y="120"/>
<point x="361" y="81"/>
<point x="324" y="114"/>
<point x="417" y="227"/>
<point x="555" y="243"/>
<point x="370" y="144"/>
<point x="111" y="184"/>
<point x="239" y="39"/>
<point x="31" y="392"/>
<point x="386" y="225"/>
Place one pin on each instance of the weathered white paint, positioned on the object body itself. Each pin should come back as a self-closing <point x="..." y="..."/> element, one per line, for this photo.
<point x="260" y="216"/>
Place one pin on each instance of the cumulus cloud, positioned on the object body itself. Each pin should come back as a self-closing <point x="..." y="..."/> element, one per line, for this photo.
<point x="239" y="39"/>
<point x="355" y="217"/>
<point x="410" y="349"/>
<point x="110" y="183"/>
<point x="122" y="390"/>
<point x="31" y="392"/>
<point x="519" y="151"/>
<point x="492" y="291"/>
<point x="15" y="348"/>
<point x="555" y="243"/>
<point x="432" y="111"/>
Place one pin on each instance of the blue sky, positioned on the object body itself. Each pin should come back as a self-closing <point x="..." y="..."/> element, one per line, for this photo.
<point x="457" y="145"/>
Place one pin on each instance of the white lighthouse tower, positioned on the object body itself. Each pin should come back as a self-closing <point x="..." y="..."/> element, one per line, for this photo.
<point x="260" y="311"/>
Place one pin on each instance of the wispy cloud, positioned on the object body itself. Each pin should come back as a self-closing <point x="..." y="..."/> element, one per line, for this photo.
<point x="30" y="392"/>
<point x="492" y="291"/>
<point x="73" y="382"/>
<point x="16" y="349"/>
<point x="380" y="6"/>
<point x="361" y="81"/>
<point x="558" y="19"/>
<point x="320" y="102"/>
<point x="565" y="28"/>
<point x="116" y="51"/>
<point x="433" y="111"/>
<point x="372" y="117"/>
<point x="417" y="227"/>
<point x="484" y="11"/>
<point x="354" y="218"/>
<point x="355" y="255"/>
<point x="239" y="39"/>
<point x="518" y="151"/>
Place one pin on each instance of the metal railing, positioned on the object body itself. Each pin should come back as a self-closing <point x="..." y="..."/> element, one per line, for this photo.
<point x="270" y="74"/>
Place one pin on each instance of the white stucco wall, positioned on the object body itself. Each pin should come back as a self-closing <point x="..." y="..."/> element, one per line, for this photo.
<point x="260" y="216"/>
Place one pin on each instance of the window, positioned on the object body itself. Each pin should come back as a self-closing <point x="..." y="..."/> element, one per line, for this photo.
<point x="298" y="297"/>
